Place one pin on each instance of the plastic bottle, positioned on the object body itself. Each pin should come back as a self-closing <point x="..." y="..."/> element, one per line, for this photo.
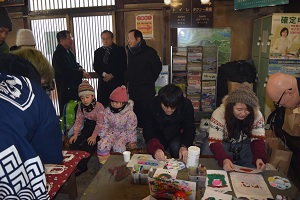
<point x="193" y="156"/>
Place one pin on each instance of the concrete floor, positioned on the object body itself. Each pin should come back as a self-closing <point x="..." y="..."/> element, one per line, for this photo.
<point x="83" y="180"/>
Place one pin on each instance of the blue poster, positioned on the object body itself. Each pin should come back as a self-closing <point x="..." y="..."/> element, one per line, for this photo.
<point x="243" y="4"/>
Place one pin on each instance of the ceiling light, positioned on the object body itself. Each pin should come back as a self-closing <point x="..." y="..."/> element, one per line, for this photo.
<point x="167" y="2"/>
<point x="205" y="1"/>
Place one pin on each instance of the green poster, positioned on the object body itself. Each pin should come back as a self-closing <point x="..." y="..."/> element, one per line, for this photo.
<point x="243" y="4"/>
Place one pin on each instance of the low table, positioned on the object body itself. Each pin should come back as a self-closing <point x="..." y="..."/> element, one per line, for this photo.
<point x="104" y="186"/>
<point x="56" y="180"/>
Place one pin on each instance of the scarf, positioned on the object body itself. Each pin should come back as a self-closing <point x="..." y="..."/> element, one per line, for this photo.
<point x="90" y="107"/>
<point x="135" y="48"/>
<point x="107" y="53"/>
<point x="116" y="110"/>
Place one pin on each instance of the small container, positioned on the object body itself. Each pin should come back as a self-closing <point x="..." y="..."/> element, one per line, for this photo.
<point x="144" y="174"/>
<point x="135" y="173"/>
<point x="198" y="175"/>
<point x="193" y="156"/>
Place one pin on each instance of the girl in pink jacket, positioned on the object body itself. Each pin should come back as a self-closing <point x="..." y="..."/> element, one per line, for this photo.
<point x="119" y="127"/>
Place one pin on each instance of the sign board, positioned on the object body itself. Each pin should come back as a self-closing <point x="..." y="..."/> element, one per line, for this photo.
<point x="243" y="4"/>
<point x="181" y="14"/>
<point x="144" y="23"/>
<point x="202" y="14"/>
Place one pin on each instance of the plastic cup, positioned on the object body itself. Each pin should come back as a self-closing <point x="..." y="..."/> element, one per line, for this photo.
<point x="126" y="156"/>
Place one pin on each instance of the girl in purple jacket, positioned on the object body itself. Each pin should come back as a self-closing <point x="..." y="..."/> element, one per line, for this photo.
<point x="119" y="128"/>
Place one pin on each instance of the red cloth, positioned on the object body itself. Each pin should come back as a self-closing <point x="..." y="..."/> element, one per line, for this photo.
<point x="153" y="145"/>
<point x="56" y="181"/>
<point x="219" y="153"/>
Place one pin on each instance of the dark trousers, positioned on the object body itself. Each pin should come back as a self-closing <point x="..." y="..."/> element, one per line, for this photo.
<point x="245" y="153"/>
<point x="174" y="146"/>
<point x="140" y="109"/>
<point x="82" y="144"/>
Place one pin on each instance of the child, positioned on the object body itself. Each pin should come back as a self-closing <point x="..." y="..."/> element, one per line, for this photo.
<point x="90" y="115"/>
<point x="119" y="126"/>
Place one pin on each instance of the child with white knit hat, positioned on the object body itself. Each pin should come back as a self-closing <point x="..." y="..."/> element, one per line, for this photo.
<point x="90" y="116"/>
<point x="119" y="127"/>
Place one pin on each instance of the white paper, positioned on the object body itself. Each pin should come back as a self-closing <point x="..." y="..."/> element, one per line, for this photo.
<point x="251" y="186"/>
<point x="217" y="180"/>
<point x="217" y="195"/>
<point x="136" y="157"/>
<point x="149" y="198"/>
<point x="160" y="173"/>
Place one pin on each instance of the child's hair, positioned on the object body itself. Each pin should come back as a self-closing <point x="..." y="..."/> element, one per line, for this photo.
<point x="170" y="95"/>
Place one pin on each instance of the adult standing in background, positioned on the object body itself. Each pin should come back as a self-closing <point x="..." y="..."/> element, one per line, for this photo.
<point x="144" y="67"/>
<point x="68" y="73"/>
<point x="110" y="64"/>
<point x="5" y="27"/>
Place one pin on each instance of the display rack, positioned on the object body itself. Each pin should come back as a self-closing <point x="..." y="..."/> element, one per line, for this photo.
<point x="194" y="69"/>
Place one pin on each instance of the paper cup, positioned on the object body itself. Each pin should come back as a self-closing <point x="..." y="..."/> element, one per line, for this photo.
<point x="126" y="156"/>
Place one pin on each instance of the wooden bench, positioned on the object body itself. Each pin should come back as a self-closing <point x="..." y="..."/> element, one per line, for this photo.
<point x="63" y="174"/>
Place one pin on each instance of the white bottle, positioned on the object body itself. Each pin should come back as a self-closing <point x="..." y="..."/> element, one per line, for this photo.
<point x="193" y="157"/>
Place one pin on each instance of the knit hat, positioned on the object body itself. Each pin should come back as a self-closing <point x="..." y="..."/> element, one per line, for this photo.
<point x="5" y="20"/>
<point x="119" y="94"/>
<point x="25" y="38"/>
<point x="243" y="94"/>
<point x="85" y="89"/>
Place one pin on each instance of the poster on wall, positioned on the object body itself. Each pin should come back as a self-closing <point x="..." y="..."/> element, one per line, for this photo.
<point x="285" y="35"/>
<point x="285" y="43"/>
<point x="243" y="4"/>
<point x="207" y="37"/>
<point x="144" y="23"/>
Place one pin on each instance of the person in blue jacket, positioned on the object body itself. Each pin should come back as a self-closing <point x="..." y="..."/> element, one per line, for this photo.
<point x="29" y="131"/>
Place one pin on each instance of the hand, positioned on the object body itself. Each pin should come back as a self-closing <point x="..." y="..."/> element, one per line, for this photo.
<point x="183" y="154"/>
<point x="86" y="75"/>
<point x="91" y="140"/>
<point x="159" y="155"/>
<point x="260" y="165"/>
<point x="108" y="77"/>
<point x="73" y="139"/>
<point x="228" y="165"/>
<point x="132" y="145"/>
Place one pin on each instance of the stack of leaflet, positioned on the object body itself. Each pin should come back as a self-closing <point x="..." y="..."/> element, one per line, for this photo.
<point x="209" y="78"/>
<point x="179" y="67"/>
<point x="194" y="67"/>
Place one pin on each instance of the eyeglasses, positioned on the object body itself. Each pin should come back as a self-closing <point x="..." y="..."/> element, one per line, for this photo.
<point x="277" y="104"/>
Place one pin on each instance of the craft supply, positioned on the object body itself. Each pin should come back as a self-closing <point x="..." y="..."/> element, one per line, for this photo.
<point x="279" y="182"/>
<point x="173" y="164"/>
<point x="148" y="162"/>
<point x="126" y="155"/>
<point x="193" y="156"/>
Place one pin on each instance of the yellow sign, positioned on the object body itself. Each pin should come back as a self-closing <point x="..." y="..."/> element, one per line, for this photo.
<point x="144" y="23"/>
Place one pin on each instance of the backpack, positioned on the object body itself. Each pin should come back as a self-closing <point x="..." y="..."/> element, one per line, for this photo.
<point x="237" y="71"/>
<point x="69" y="116"/>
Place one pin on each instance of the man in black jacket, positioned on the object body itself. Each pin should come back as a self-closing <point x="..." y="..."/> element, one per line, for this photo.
<point x="110" y="64"/>
<point x="68" y="73"/>
<point x="170" y="124"/>
<point x="144" y="67"/>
